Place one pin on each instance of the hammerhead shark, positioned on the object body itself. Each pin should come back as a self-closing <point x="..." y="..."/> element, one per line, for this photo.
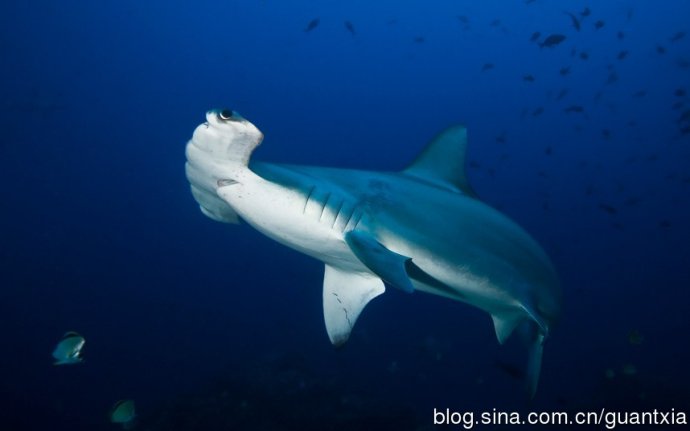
<point x="422" y="228"/>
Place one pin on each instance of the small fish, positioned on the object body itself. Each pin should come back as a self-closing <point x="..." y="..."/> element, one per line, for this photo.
<point x="548" y="150"/>
<point x="608" y="208"/>
<point x="585" y="12"/>
<point x="487" y="66"/>
<point x="640" y="93"/>
<point x="534" y="36"/>
<point x="123" y="413"/>
<point x="562" y="94"/>
<point x="613" y="77"/>
<point x="419" y="39"/>
<point x="683" y="63"/>
<point x="574" y="108"/>
<point x="574" y="20"/>
<point x="564" y="71"/>
<point x="631" y="201"/>
<point x="622" y="55"/>
<point x="677" y="105"/>
<point x="584" y="55"/>
<point x="680" y="92"/>
<point x="495" y="23"/>
<point x="606" y="133"/>
<point x="635" y="337"/>
<point x="620" y="35"/>
<point x="528" y="78"/>
<point x="465" y="21"/>
<point x="350" y="27"/>
<point x="684" y="116"/>
<point x="529" y="1"/>
<point x="552" y="40"/>
<point x="538" y="111"/>
<point x="678" y="36"/>
<point x="312" y="25"/>
<point x="68" y="350"/>
<point x="599" y="24"/>
<point x="660" y="49"/>
<point x="629" y="370"/>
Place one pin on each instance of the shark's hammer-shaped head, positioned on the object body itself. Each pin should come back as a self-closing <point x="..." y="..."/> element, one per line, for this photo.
<point x="227" y="137"/>
<point x="218" y="154"/>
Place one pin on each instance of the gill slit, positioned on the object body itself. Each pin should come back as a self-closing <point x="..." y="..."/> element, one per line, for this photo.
<point x="337" y="213"/>
<point x="306" y="202"/>
<point x="325" y="203"/>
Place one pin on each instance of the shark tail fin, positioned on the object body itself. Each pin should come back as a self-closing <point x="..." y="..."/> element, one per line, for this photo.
<point x="536" y="350"/>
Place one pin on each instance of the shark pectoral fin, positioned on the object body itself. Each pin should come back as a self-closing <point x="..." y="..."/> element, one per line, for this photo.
<point x="443" y="161"/>
<point x="388" y="265"/>
<point x="345" y="294"/>
<point x="505" y="324"/>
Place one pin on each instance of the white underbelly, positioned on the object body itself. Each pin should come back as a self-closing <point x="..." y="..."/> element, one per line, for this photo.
<point x="452" y="279"/>
<point x="313" y="223"/>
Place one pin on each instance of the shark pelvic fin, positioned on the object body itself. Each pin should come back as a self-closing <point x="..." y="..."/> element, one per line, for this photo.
<point x="442" y="162"/>
<point x="505" y="325"/>
<point x="345" y="294"/>
<point x="388" y="265"/>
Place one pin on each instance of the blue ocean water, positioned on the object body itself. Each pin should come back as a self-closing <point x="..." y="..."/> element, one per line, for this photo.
<point x="586" y="144"/>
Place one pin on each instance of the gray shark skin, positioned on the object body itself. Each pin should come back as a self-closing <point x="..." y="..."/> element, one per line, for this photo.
<point x="422" y="228"/>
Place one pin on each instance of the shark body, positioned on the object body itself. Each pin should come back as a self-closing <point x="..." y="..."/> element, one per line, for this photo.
<point x="422" y="228"/>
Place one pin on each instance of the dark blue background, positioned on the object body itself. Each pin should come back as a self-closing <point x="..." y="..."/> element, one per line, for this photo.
<point x="99" y="233"/>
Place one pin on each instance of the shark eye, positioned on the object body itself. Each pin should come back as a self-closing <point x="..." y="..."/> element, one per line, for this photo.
<point x="226" y="114"/>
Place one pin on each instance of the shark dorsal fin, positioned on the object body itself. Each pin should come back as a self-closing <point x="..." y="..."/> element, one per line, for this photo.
<point x="442" y="162"/>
